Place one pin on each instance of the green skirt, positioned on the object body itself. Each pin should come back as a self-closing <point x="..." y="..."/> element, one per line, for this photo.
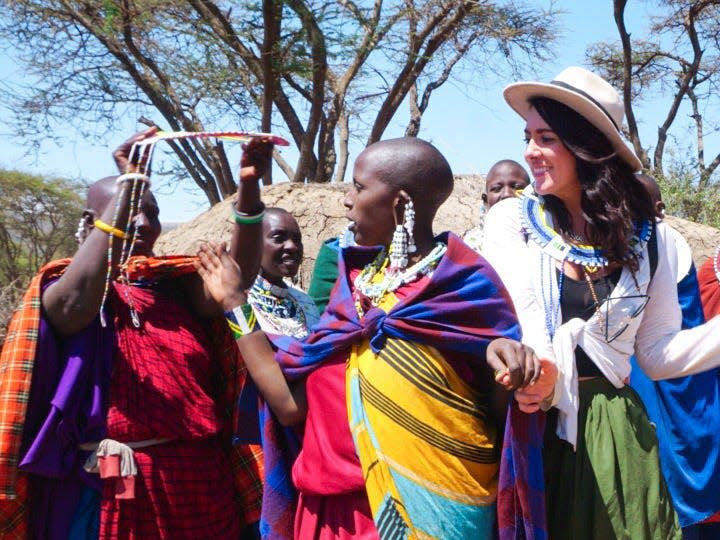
<point x="611" y="487"/>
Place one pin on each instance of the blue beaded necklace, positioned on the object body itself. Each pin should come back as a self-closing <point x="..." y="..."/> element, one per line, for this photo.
<point x="591" y="258"/>
<point x="534" y="222"/>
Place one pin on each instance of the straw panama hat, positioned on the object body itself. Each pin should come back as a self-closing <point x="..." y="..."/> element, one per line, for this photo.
<point x="587" y="94"/>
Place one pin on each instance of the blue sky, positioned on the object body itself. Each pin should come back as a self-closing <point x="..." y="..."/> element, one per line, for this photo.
<point x="472" y="127"/>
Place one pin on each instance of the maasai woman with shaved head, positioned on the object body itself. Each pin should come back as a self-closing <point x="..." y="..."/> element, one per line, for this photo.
<point x="395" y="384"/>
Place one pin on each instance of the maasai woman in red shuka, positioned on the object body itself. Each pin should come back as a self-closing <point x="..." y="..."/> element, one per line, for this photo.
<point x="395" y="385"/>
<point x="168" y="466"/>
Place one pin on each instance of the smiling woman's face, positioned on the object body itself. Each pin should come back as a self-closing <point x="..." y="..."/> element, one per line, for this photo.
<point x="552" y="165"/>
<point x="282" y="247"/>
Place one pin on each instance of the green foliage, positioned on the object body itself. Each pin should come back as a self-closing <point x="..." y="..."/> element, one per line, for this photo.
<point x="685" y="198"/>
<point x="334" y="70"/>
<point x="38" y="220"/>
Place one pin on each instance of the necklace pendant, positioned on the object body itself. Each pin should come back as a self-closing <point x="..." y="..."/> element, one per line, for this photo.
<point x="135" y="318"/>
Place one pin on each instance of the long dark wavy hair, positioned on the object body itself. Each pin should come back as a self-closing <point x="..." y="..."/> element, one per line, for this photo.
<point x="612" y="198"/>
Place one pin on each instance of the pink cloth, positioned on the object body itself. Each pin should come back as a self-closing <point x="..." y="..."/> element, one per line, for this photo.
<point x="110" y="468"/>
<point x="340" y="517"/>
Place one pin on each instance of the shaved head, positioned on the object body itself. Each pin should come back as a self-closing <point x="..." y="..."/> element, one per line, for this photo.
<point x="99" y="194"/>
<point x="414" y="165"/>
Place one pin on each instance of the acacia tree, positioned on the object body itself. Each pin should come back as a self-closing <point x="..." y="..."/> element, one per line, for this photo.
<point x="326" y="70"/>
<point x="681" y="61"/>
<point x="38" y="220"/>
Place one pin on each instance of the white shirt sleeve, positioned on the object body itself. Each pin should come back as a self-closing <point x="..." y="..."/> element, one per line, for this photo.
<point x="515" y="262"/>
<point x="661" y="348"/>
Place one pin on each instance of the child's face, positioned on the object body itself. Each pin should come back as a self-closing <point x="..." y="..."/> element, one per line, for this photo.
<point x="503" y="182"/>
<point x="370" y="204"/>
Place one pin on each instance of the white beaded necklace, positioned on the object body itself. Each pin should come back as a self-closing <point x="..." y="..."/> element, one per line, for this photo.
<point x="715" y="264"/>
<point x="392" y="282"/>
<point x="278" y="311"/>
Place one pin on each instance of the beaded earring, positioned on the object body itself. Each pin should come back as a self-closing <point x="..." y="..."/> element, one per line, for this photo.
<point x="409" y="225"/>
<point x="403" y="241"/>
<point x="398" y="250"/>
<point x="82" y="231"/>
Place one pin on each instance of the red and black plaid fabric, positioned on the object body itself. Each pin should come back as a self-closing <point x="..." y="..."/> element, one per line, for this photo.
<point x="164" y="385"/>
<point x="163" y="373"/>
<point x="16" y="365"/>
<point x="247" y="460"/>
<point x="241" y="463"/>
<point x="184" y="490"/>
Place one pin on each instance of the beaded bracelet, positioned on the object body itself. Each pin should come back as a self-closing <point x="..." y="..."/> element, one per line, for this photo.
<point x="133" y="176"/>
<point x="109" y="229"/>
<point x="241" y="218"/>
<point x="242" y="321"/>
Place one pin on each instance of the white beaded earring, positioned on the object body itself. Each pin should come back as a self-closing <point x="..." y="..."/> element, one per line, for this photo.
<point x="83" y="229"/>
<point x="409" y="218"/>
<point x="403" y="240"/>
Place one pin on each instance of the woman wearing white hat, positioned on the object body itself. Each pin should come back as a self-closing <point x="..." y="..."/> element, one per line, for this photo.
<point x="588" y="273"/>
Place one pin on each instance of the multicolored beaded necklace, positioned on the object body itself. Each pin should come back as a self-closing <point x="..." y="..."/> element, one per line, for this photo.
<point x="285" y="312"/>
<point x="374" y="282"/>
<point x="534" y="222"/>
<point x="552" y="244"/>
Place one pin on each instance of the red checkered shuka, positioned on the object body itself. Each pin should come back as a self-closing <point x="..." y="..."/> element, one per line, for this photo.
<point x="163" y="385"/>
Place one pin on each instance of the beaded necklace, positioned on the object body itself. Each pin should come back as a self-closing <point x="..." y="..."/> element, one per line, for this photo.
<point x="284" y="312"/>
<point x="551" y="308"/>
<point x="553" y="245"/>
<point x="716" y="264"/>
<point x="534" y="222"/>
<point x="374" y="282"/>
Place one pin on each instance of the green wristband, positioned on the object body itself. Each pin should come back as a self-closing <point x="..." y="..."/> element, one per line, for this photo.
<point x="245" y="219"/>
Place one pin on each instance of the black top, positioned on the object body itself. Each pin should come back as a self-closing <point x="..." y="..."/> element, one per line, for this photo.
<point x="576" y="301"/>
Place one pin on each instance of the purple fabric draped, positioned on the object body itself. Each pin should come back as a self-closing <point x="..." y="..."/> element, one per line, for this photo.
<point x="66" y="408"/>
<point x="521" y="486"/>
<point x="462" y="308"/>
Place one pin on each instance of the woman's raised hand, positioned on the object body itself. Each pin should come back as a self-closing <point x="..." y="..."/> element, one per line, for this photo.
<point x="255" y="159"/>
<point x="122" y="154"/>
